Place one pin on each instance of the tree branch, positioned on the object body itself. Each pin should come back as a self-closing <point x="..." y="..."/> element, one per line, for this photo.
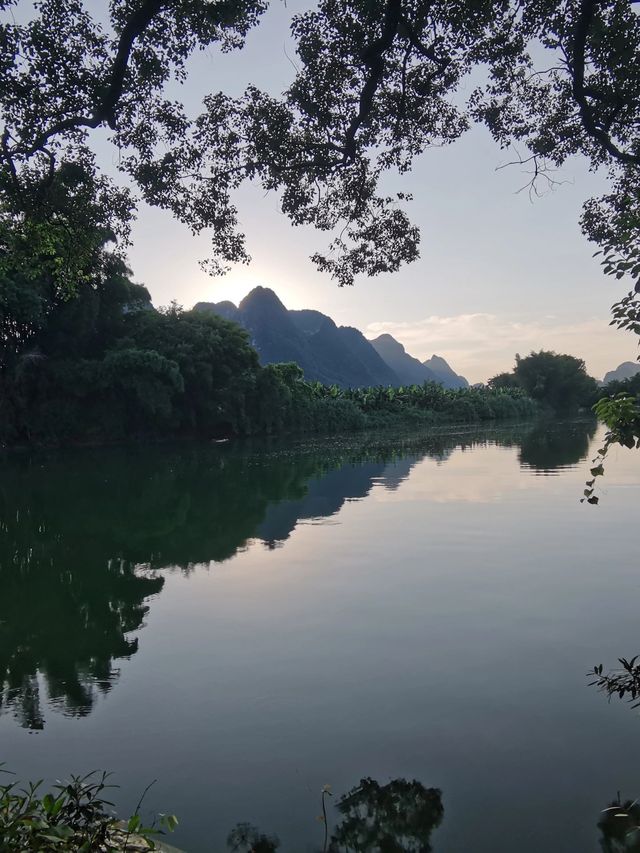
<point x="373" y="56"/>
<point x="105" y="108"/>
<point x="582" y="92"/>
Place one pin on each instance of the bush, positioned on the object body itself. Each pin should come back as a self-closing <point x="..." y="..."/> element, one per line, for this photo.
<point x="73" y="819"/>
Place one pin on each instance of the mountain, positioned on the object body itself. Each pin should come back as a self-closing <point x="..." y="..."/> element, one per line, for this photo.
<point x="328" y="353"/>
<point x="409" y="370"/>
<point x="273" y="333"/>
<point x="369" y="356"/>
<point x="623" y="371"/>
<point x="445" y="374"/>
<point x="225" y="309"/>
<point x="344" y="352"/>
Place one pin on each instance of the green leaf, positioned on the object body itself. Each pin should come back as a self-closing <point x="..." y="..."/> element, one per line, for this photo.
<point x="170" y="821"/>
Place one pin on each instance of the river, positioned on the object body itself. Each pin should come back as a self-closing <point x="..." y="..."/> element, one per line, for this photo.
<point x="248" y="622"/>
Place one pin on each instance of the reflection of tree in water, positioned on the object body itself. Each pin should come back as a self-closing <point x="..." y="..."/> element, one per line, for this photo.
<point x="398" y="817"/>
<point x="68" y="626"/>
<point x="83" y="534"/>
<point x="392" y="818"/>
<point x="81" y="539"/>
<point x="620" y="827"/>
<point x="245" y="838"/>
<point x="552" y="446"/>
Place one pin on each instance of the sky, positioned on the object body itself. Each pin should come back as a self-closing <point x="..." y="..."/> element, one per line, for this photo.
<point x="499" y="274"/>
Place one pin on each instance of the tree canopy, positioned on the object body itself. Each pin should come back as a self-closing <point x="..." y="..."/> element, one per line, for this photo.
<point x="558" y="381"/>
<point x="377" y="82"/>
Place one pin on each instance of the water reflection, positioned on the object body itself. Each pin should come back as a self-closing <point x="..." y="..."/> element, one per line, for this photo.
<point x="398" y="817"/>
<point x="84" y="535"/>
<point x="620" y="827"/>
<point x="550" y="447"/>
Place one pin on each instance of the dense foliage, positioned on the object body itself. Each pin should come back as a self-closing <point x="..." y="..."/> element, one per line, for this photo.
<point x="432" y="402"/>
<point x="106" y="366"/>
<point x="559" y="382"/>
<point x="377" y="82"/>
<point x="620" y="408"/>
<point x="74" y="818"/>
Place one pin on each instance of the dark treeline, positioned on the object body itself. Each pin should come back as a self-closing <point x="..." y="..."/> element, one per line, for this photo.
<point x="104" y="366"/>
<point x="76" y="575"/>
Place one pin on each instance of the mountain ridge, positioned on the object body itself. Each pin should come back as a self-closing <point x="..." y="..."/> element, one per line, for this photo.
<point x="623" y="371"/>
<point x="441" y="368"/>
<point x="410" y="370"/>
<point x="326" y="352"/>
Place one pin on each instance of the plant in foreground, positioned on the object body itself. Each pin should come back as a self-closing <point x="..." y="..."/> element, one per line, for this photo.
<point x="74" y="818"/>
<point x="621" y="414"/>
<point x="623" y="682"/>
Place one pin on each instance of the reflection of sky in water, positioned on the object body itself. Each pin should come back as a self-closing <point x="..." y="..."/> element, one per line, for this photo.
<point x="422" y="618"/>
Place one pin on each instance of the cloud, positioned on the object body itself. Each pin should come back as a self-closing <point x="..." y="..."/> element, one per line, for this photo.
<point x="481" y="345"/>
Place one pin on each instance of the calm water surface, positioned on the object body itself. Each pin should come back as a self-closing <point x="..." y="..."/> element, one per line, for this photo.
<point x="248" y="623"/>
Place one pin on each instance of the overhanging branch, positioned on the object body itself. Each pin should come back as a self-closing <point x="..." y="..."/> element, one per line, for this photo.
<point x="373" y="56"/>
<point x="581" y="93"/>
<point x="104" y="110"/>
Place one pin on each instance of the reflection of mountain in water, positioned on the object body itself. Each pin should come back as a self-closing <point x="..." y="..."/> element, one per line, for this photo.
<point x="326" y="495"/>
<point x="84" y="534"/>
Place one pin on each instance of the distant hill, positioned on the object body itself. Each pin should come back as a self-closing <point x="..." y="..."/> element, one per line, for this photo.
<point x="409" y="370"/>
<point x="344" y="352"/>
<point x="328" y="353"/>
<point x="445" y="374"/>
<point x="623" y="371"/>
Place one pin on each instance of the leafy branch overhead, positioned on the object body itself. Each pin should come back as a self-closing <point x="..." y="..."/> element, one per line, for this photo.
<point x="623" y="682"/>
<point x="378" y="82"/>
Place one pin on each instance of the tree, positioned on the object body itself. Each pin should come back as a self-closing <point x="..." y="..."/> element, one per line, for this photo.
<point x="503" y="380"/>
<point x="378" y="82"/>
<point x="558" y="381"/>
<point x="106" y="365"/>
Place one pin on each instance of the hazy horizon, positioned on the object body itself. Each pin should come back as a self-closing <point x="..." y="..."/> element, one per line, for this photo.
<point x="464" y="329"/>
